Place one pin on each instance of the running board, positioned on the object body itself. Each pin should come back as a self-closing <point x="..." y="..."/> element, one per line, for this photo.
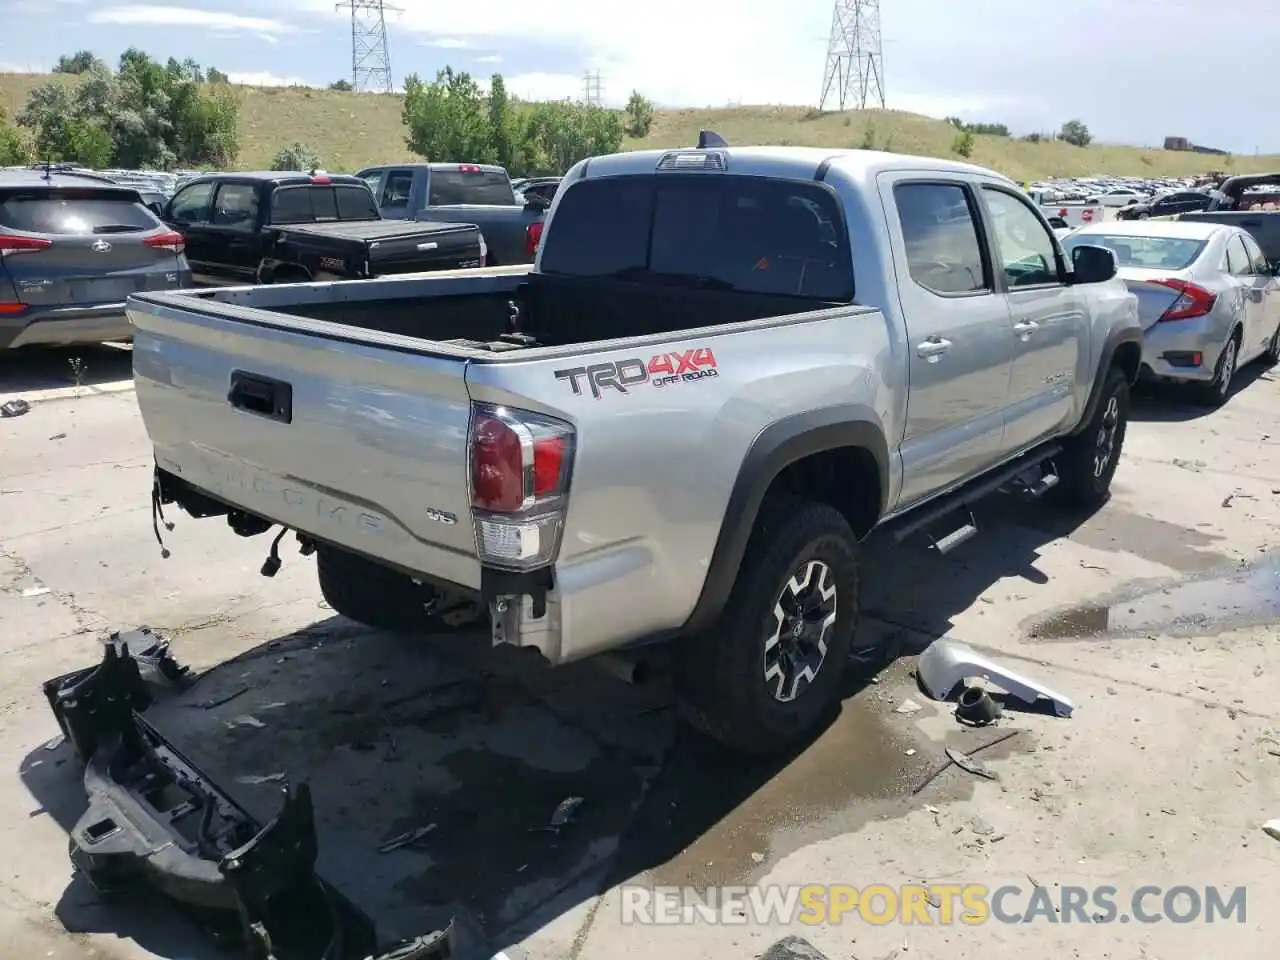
<point x="1020" y="473"/>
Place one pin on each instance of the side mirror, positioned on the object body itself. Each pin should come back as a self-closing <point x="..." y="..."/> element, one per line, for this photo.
<point x="534" y="201"/>
<point x="1092" y="264"/>
<point x="1275" y="268"/>
<point x="158" y="208"/>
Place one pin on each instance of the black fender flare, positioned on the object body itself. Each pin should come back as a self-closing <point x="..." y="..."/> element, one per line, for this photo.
<point x="1114" y="342"/>
<point x="779" y="445"/>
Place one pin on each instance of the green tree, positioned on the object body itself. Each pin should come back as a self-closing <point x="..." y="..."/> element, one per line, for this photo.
<point x="561" y="133"/>
<point x="296" y="156"/>
<point x="146" y="114"/>
<point x="639" y="115"/>
<point x="447" y="119"/>
<point x="507" y="126"/>
<point x="13" y="151"/>
<point x="963" y="143"/>
<point x="214" y="75"/>
<point x="343" y="85"/>
<point x="452" y="119"/>
<point x="1075" y="133"/>
<point x="81" y="61"/>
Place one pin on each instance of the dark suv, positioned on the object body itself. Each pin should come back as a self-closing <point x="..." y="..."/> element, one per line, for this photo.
<point x="72" y="249"/>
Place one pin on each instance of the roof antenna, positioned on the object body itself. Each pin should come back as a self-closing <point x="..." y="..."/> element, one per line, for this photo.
<point x="709" y="140"/>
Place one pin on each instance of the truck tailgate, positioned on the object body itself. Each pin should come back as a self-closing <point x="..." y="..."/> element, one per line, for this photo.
<point x="356" y="444"/>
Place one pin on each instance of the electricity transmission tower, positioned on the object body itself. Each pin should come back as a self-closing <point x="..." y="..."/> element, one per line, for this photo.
<point x="370" y="58"/>
<point x="855" y="56"/>
<point x="591" y="89"/>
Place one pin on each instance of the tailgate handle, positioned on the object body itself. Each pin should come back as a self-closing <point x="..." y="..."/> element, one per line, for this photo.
<point x="264" y="396"/>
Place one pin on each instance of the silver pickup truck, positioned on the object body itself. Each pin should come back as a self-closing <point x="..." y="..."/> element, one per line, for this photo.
<point x="725" y="369"/>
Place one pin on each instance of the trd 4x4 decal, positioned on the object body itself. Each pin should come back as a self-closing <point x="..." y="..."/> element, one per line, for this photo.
<point x="660" y="370"/>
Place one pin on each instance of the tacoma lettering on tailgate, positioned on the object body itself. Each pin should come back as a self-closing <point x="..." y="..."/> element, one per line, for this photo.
<point x="660" y="370"/>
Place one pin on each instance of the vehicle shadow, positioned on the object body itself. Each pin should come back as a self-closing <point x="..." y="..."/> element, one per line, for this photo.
<point x="1155" y="402"/>
<point x="479" y="747"/>
<point x="30" y="369"/>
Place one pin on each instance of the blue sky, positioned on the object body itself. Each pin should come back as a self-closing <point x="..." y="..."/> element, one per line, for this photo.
<point x="1133" y="71"/>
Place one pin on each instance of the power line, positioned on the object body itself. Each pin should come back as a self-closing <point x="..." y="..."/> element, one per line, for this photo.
<point x="855" y="56"/>
<point x="370" y="55"/>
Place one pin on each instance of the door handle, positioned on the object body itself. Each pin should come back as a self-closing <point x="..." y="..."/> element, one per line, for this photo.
<point x="1025" y="328"/>
<point x="932" y="349"/>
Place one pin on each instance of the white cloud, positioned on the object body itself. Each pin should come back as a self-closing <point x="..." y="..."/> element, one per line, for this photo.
<point x="447" y="43"/>
<point x="264" y="80"/>
<point x="762" y="52"/>
<point x="489" y="58"/>
<point x="161" y="16"/>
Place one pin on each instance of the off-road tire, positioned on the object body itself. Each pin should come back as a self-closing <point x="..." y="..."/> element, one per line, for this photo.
<point x="372" y="594"/>
<point x="1272" y="357"/>
<point x="1081" y="484"/>
<point x="1218" y="390"/>
<point x="720" y="678"/>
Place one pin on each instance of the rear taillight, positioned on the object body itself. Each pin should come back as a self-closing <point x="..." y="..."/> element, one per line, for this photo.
<point x="10" y="244"/>
<point x="1193" y="300"/>
<point x="171" y="241"/>
<point x="469" y="168"/>
<point x="532" y="237"/>
<point x="520" y="466"/>
<point x="9" y="309"/>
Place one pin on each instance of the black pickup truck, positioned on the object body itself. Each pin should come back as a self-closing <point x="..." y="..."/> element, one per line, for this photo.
<point x="279" y="227"/>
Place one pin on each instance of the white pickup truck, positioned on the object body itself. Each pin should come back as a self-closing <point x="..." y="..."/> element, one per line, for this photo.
<point x="726" y="368"/>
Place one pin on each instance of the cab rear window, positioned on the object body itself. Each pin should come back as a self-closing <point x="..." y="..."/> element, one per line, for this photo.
<point x="72" y="212"/>
<point x="748" y="234"/>
<point x="309" y="204"/>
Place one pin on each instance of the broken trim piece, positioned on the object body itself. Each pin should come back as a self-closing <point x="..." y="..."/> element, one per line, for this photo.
<point x="155" y="819"/>
<point x="946" y="664"/>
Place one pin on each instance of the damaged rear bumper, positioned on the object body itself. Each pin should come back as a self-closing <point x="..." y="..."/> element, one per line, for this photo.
<point x="154" y="819"/>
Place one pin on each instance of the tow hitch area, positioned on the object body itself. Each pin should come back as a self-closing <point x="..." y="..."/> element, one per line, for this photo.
<point x="155" y="820"/>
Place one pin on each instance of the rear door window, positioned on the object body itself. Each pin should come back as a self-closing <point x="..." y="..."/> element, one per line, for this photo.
<point x="1256" y="257"/>
<point x="73" y="212"/>
<point x="236" y="206"/>
<point x="474" y="185"/>
<point x="396" y="187"/>
<point x="940" y="234"/>
<point x="1237" y="259"/>
<point x="749" y="234"/>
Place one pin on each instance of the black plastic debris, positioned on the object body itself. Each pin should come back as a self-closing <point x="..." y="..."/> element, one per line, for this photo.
<point x="155" y="820"/>
<point x="14" y="408"/>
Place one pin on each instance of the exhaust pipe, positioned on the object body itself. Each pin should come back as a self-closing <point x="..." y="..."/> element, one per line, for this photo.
<point x="630" y="668"/>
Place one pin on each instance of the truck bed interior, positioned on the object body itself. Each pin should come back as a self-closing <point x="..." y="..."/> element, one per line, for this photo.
<point x="558" y="311"/>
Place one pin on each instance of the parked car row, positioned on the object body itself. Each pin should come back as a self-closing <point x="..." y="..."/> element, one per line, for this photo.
<point x="75" y="243"/>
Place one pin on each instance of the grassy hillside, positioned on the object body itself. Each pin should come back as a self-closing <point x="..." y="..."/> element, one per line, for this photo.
<point x="354" y="130"/>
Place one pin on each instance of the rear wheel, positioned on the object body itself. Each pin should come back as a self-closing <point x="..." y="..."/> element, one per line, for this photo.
<point x="1089" y="459"/>
<point x="1216" y="391"/>
<point x="372" y="594"/>
<point x="764" y="677"/>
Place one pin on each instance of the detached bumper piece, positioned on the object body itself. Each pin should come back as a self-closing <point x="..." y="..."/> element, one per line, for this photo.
<point x="155" y="820"/>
